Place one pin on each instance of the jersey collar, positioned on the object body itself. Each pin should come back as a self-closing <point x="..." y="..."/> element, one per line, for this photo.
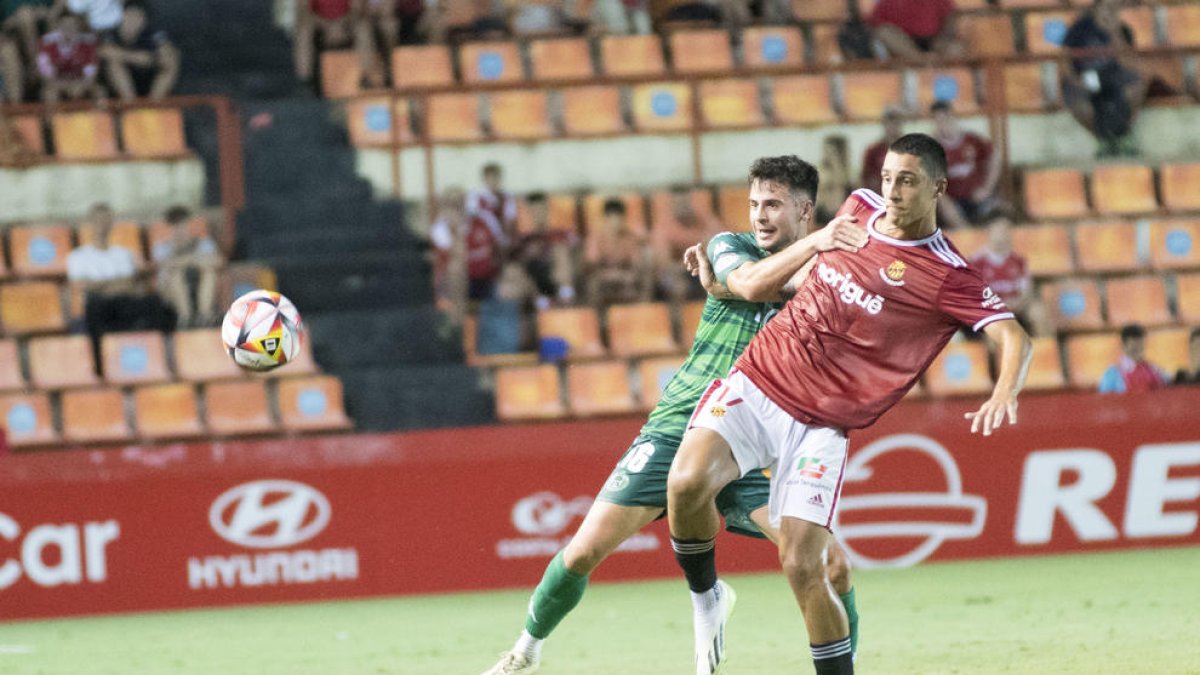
<point x="876" y="234"/>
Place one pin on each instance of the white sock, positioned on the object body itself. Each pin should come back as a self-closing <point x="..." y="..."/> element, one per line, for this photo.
<point x="528" y="645"/>
<point x="705" y="602"/>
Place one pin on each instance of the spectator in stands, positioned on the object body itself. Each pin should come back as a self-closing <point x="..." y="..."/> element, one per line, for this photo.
<point x="26" y="20"/>
<point x="973" y="171"/>
<point x="68" y="62"/>
<point x="333" y="23"/>
<point x="138" y="60"/>
<point x="835" y="183"/>
<point x="187" y="270"/>
<point x="450" y="255"/>
<point x="916" y="29"/>
<point x="547" y="255"/>
<point x="102" y="16"/>
<point x="1132" y="373"/>
<point x="730" y="14"/>
<point x="12" y="71"/>
<point x="1104" y="92"/>
<point x="464" y="20"/>
<point x="541" y="18"/>
<point x="13" y="149"/>
<point x="621" y="17"/>
<point x="1191" y="374"/>
<point x="114" y="300"/>
<point x="617" y="264"/>
<point x="872" y="164"/>
<point x="670" y="238"/>
<point x="471" y="237"/>
<point x="494" y="205"/>
<point x="1006" y="272"/>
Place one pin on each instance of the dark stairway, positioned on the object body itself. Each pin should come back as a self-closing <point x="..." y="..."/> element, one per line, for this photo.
<point x="360" y="279"/>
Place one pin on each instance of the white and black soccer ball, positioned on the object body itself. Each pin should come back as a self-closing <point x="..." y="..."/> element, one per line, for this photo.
<point x="262" y="330"/>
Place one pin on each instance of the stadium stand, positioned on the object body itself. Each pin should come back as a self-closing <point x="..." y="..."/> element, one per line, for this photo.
<point x="61" y="362"/>
<point x="94" y="416"/>
<point x="961" y="368"/>
<point x="529" y="392"/>
<point x="600" y="388"/>
<point x="238" y="408"/>
<point x="311" y="403"/>
<point x="167" y="411"/>
<point x="27" y="420"/>
<point x="654" y="374"/>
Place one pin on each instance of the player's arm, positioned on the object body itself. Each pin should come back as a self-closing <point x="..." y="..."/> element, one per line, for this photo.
<point x="1014" y="350"/>
<point x="764" y="280"/>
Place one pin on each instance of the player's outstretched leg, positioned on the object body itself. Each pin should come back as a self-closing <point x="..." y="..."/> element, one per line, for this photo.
<point x="801" y="550"/>
<point x="604" y="528"/>
<point x="837" y="569"/>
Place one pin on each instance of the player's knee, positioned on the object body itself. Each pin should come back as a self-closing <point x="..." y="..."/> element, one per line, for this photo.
<point x="581" y="557"/>
<point x="687" y="485"/>
<point x="801" y="567"/>
<point x="837" y="568"/>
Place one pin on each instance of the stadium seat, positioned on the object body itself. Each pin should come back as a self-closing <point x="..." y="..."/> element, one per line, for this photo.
<point x="631" y="55"/>
<point x="961" y="368"/>
<point x="529" y="392"/>
<point x="1187" y="288"/>
<point x="1141" y="21"/>
<point x="730" y="104"/>
<point x="1168" y="348"/>
<point x="200" y="356"/>
<point x="134" y="358"/>
<point x="558" y="59"/>
<point x="969" y="241"/>
<point x="987" y="35"/>
<point x="1123" y="189"/>
<point x="1107" y="247"/>
<point x="803" y="100"/>
<point x="167" y="411"/>
<point x="1055" y="194"/>
<point x="701" y="51"/>
<point x="153" y="133"/>
<point x="1137" y="299"/>
<point x="772" y="46"/>
<point x="94" y="416"/>
<point x="579" y="326"/>
<point x="560" y="216"/>
<point x="968" y="5"/>
<point x="341" y="73"/>
<point x="662" y="210"/>
<point x="474" y="358"/>
<point x="312" y="403"/>
<point x="453" y="117"/>
<point x="10" y="366"/>
<point x="421" y="66"/>
<point x="87" y="134"/>
<point x="824" y="43"/>
<point x="635" y="211"/>
<point x="1047" y="248"/>
<point x="819" y="10"/>
<point x="1183" y="25"/>
<point x="490" y="62"/>
<point x="238" y="408"/>
<point x="1029" y="4"/>
<point x="125" y="233"/>
<point x="379" y="122"/>
<point x="654" y="375"/>
<point x="1044" y="32"/>
<point x="520" y="115"/>
<point x="1175" y="244"/>
<point x="1179" y="183"/>
<point x="39" y="250"/>
<point x="954" y="85"/>
<point x="1073" y="304"/>
<point x="592" y="111"/>
<point x="1088" y="356"/>
<point x="1024" y="90"/>
<point x="866" y="93"/>
<point x="733" y="206"/>
<point x="62" y="362"/>
<point x="29" y="128"/>
<point x="27" y="420"/>
<point x="159" y="231"/>
<point x="640" y="329"/>
<point x="240" y="278"/>
<point x="33" y="307"/>
<point x="600" y="388"/>
<point x="689" y="321"/>
<point x="1045" y="368"/>
<point x="662" y="106"/>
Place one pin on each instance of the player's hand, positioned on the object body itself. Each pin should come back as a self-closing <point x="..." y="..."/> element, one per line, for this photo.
<point x="708" y="278"/>
<point x="691" y="259"/>
<point x="991" y="414"/>
<point x="841" y="233"/>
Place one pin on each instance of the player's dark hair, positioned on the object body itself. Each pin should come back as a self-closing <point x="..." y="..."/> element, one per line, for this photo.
<point x="799" y="176"/>
<point x="614" y="206"/>
<point x="1131" y="331"/>
<point x="927" y="148"/>
<point x="536" y="198"/>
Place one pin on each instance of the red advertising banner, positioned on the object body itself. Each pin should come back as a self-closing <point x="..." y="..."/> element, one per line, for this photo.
<point x="359" y="515"/>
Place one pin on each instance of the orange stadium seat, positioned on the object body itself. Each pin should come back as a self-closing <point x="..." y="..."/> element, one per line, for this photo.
<point x="1088" y="356"/>
<point x="733" y="206"/>
<point x="1179" y="183"/>
<point x="312" y="403"/>
<point x="1045" y="369"/>
<point x="10" y="366"/>
<point x="654" y="375"/>
<point x="635" y="211"/>
<point x="520" y="115"/>
<point x="453" y="117"/>
<point x="421" y="66"/>
<point x="200" y="356"/>
<point x="474" y="358"/>
<point x="1107" y="247"/>
<point x="134" y="358"/>
<point x="1055" y="194"/>
<point x="62" y="362"/>
<point x="662" y="212"/>
<point x="701" y="51"/>
<point x="490" y="62"/>
<point x="640" y="329"/>
<point x="631" y="55"/>
<point x="987" y="35"/>
<point x="94" y="416"/>
<point x="1169" y="68"/>
<point x="865" y="94"/>
<point x="167" y="411"/>
<point x="825" y="48"/>
<point x="592" y="111"/>
<point x="561" y="216"/>
<point x="1073" y="304"/>
<point x="961" y="368"/>
<point x="969" y="242"/>
<point x="1175" y="244"/>
<point x="87" y="134"/>
<point x="27" y="420"/>
<point x="1047" y="248"/>
<point x="529" y="392"/>
<point x="1188" y="297"/>
<point x="1123" y="189"/>
<point x="819" y="10"/>
<point x="39" y="250"/>
<point x="579" y="326"/>
<point x="379" y="121"/>
<point x="1138" y="299"/>
<point x="803" y="100"/>
<point x="954" y="85"/>
<point x="238" y="408"/>
<point x="689" y="321"/>
<point x="1044" y="31"/>
<point x="1023" y="88"/>
<point x="600" y="388"/>
<point x="125" y="233"/>
<point x="662" y="106"/>
<point x="557" y="59"/>
<point x="1141" y="21"/>
<point x="1168" y="348"/>
<point x="341" y="73"/>
<point x="731" y="103"/>
<point x="29" y="128"/>
<point x="1183" y="25"/>
<point x="770" y="46"/>
<point x="240" y="278"/>
<point x="153" y="132"/>
<point x="33" y="307"/>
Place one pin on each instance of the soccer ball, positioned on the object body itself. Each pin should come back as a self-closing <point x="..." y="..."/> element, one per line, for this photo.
<point x="262" y="330"/>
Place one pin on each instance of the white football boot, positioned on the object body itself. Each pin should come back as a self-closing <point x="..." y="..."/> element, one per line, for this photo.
<point x="512" y="663"/>
<point x="709" y="627"/>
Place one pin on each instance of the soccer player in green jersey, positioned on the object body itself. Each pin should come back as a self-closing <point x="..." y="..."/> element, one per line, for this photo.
<point x="782" y="190"/>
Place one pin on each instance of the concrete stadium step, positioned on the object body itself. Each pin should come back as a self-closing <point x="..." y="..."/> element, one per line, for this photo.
<point x="357" y="282"/>
<point x="380" y="337"/>
<point x="416" y="397"/>
<point x="324" y="242"/>
<point x="278" y="217"/>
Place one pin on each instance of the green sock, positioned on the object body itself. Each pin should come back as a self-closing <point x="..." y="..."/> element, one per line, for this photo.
<point x="852" y="617"/>
<point x="557" y="594"/>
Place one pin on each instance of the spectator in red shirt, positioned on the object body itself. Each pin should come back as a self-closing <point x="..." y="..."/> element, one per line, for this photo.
<point x="872" y="168"/>
<point x="916" y="29"/>
<point x="974" y="171"/>
<point x="1132" y="373"/>
<point x="68" y="62"/>
<point x="338" y="23"/>
<point x="1007" y="273"/>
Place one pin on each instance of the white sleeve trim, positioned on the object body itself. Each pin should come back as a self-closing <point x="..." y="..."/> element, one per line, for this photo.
<point x="993" y="318"/>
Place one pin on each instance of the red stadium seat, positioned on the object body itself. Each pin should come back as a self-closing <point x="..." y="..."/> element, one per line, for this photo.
<point x="631" y="55"/>
<point x="341" y="73"/>
<point x="1073" y="304"/>
<point x="655" y="374"/>
<point x="453" y="117"/>
<point x="600" y="388"/>
<point x="1045" y="369"/>
<point x="421" y="66"/>
<point x="731" y="103"/>
<point x="1088" y="356"/>
<point x="662" y="106"/>
<point x="490" y="62"/>
<point x="1047" y="248"/>
<point x="39" y="250"/>
<point x="1139" y="299"/>
<point x="701" y="51"/>
<point x="865" y="94"/>
<point x="803" y="100"/>
<point x="62" y="362"/>
<point x="592" y="111"/>
<point x="312" y="403"/>
<point x="1107" y="247"/>
<point x="1055" y="194"/>
<point x="558" y="59"/>
<point x="961" y="368"/>
<point x="772" y="46"/>
<point x="10" y="366"/>
<point x="640" y="329"/>
<point x="33" y="307"/>
<point x="238" y="408"/>
<point x="134" y="358"/>
<point x="579" y="326"/>
<point x="1123" y="189"/>
<point x="94" y="416"/>
<point x="87" y="134"/>
<point x="1175" y="244"/>
<point x="167" y="411"/>
<point x="153" y="133"/>
<point x="529" y="392"/>
<point x="520" y="115"/>
<point x="27" y="420"/>
<point x="1179" y="183"/>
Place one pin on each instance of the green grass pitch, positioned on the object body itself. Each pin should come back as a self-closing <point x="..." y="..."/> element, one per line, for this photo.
<point x="1134" y="612"/>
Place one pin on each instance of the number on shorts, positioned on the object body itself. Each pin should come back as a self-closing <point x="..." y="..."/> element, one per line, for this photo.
<point x="637" y="459"/>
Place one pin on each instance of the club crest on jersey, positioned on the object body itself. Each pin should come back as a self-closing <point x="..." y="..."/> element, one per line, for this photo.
<point x="849" y="291"/>
<point x="894" y="274"/>
<point x="717" y="411"/>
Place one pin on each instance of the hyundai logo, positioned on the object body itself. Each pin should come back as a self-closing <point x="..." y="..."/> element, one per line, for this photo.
<point x="269" y="514"/>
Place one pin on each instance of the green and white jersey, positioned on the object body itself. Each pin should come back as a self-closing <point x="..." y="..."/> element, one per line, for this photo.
<point x="726" y="327"/>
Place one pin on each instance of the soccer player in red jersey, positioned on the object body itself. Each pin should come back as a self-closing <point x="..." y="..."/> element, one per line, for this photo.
<point x="853" y="339"/>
